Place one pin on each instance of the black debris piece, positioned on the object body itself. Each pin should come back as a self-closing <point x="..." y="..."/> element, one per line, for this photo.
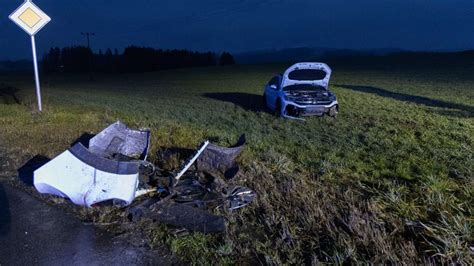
<point x="188" y="201"/>
<point x="191" y="191"/>
<point x="238" y="197"/>
<point x="140" y="210"/>
<point x="184" y="216"/>
<point x="218" y="160"/>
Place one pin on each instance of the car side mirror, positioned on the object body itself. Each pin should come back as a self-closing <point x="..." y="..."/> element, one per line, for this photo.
<point x="273" y="87"/>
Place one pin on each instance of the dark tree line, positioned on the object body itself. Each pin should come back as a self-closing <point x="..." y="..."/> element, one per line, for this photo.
<point x="226" y="59"/>
<point x="78" y="59"/>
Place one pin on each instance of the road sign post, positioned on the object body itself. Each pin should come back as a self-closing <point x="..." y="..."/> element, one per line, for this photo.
<point x="31" y="19"/>
<point x="37" y="80"/>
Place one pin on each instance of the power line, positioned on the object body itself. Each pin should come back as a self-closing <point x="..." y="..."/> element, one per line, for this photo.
<point x="88" y="34"/>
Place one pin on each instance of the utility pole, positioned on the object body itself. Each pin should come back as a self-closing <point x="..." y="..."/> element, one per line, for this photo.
<point x="88" y="34"/>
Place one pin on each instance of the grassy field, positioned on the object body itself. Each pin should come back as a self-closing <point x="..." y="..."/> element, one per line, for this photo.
<point x="389" y="180"/>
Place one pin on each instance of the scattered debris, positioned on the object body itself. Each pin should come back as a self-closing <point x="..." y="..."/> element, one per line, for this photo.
<point x="177" y="215"/>
<point x="238" y="197"/>
<point x="192" y="192"/>
<point x="198" y="153"/>
<point x="194" y="219"/>
<point x="217" y="160"/>
<point x="118" y="140"/>
<point x="139" y="210"/>
<point x="114" y="169"/>
<point x="143" y="192"/>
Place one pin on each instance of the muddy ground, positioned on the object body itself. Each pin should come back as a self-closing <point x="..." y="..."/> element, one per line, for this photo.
<point x="32" y="232"/>
<point x="40" y="229"/>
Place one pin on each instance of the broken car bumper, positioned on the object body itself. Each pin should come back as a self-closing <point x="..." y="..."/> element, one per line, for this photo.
<point x="86" y="178"/>
<point x="107" y="170"/>
<point x="291" y="109"/>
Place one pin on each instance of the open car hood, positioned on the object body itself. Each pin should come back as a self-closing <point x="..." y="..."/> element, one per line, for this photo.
<point x="307" y="73"/>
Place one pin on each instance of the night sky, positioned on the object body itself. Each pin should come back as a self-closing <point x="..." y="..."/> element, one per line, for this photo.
<point x="246" y="25"/>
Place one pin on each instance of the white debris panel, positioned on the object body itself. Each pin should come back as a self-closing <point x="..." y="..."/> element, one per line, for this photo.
<point x="89" y="176"/>
<point x="86" y="178"/>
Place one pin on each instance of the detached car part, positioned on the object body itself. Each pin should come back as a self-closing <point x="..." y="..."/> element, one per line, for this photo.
<point x="119" y="140"/>
<point x="218" y="160"/>
<point x="238" y="197"/>
<point x="87" y="178"/>
<point x="182" y="215"/>
<point x="190" y="162"/>
<point x="178" y="215"/>
<point x="94" y="175"/>
<point x="190" y="189"/>
<point x="303" y="90"/>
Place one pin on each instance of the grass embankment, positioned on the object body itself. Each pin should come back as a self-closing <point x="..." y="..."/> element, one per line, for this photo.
<point x="391" y="179"/>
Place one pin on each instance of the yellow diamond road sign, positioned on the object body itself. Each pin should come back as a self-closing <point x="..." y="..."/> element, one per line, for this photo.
<point x="30" y="18"/>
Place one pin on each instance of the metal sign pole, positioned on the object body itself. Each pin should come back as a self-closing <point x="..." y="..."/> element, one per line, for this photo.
<point x="31" y="19"/>
<point x="35" y="64"/>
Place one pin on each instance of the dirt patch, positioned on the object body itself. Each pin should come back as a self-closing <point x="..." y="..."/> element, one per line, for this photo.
<point x="8" y="95"/>
<point x="6" y="165"/>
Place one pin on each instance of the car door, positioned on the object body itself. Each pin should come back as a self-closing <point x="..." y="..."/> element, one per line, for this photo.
<point x="271" y="91"/>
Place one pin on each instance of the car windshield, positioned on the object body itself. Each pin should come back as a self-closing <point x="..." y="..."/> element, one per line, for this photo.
<point x="303" y="87"/>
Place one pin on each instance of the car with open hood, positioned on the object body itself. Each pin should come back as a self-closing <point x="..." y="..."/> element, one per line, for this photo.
<point x="302" y="90"/>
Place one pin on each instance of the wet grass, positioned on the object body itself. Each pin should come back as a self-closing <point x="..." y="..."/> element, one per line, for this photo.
<point x="389" y="180"/>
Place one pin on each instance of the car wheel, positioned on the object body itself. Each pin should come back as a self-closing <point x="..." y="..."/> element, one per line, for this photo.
<point x="278" y="108"/>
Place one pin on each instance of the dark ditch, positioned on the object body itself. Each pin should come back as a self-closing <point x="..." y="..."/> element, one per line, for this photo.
<point x="32" y="232"/>
<point x="8" y="95"/>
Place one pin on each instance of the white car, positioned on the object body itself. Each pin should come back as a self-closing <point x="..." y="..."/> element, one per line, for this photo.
<point x="302" y="91"/>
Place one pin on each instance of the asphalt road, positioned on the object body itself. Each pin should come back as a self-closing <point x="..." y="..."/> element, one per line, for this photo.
<point x="34" y="233"/>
